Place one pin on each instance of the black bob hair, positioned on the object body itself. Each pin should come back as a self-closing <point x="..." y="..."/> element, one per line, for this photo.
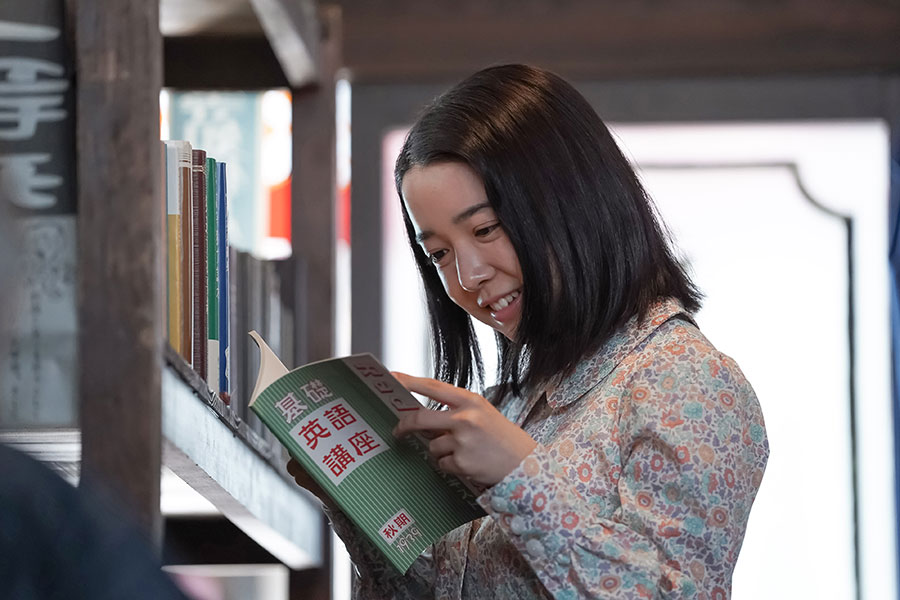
<point x="592" y="252"/>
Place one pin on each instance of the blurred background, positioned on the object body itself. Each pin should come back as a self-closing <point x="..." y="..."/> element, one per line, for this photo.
<point x="767" y="132"/>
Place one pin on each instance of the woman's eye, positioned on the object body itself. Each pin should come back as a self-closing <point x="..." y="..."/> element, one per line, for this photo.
<point x="437" y="255"/>
<point x="484" y="231"/>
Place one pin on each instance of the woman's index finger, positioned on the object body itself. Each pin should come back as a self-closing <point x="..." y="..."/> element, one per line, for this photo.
<point x="423" y="420"/>
<point x="439" y="391"/>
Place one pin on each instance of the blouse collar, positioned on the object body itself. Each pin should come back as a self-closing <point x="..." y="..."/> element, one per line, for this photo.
<point x="597" y="366"/>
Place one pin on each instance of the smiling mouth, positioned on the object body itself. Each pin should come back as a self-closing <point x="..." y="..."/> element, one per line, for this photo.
<point x="504" y="301"/>
<point x="507" y="309"/>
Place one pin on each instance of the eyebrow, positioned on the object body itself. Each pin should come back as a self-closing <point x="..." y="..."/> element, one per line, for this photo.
<point x="424" y="235"/>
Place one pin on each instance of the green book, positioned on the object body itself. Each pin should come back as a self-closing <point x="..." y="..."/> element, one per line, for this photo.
<point x="335" y="417"/>
<point x="212" y="277"/>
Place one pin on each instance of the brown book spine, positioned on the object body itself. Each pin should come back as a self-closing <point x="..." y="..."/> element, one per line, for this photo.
<point x="198" y="253"/>
<point x="184" y="188"/>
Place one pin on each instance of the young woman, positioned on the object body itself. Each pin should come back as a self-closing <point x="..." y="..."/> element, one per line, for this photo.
<point x="620" y="452"/>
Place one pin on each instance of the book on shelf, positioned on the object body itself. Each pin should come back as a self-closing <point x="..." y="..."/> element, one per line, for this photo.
<point x="223" y="275"/>
<point x="179" y="269"/>
<point x="212" y="276"/>
<point x="199" y="299"/>
<point x="239" y="293"/>
<point x="335" y="417"/>
<point x="171" y="223"/>
<point x="197" y="262"/>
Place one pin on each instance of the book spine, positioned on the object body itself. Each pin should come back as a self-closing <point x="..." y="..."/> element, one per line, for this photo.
<point x="164" y="234"/>
<point x="179" y="184"/>
<point x="224" y="273"/>
<point x="198" y="244"/>
<point x="174" y="246"/>
<point x="212" y="278"/>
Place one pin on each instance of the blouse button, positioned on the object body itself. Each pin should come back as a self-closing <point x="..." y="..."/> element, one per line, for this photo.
<point x="498" y="504"/>
<point x="517" y="525"/>
<point x="534" y="548"/>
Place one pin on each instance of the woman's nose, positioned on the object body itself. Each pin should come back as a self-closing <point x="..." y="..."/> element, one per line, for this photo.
<point x="472" y="270"/>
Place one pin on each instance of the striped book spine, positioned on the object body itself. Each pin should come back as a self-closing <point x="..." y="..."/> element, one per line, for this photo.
<point x="212" y="277"/>
<point x="198" y="245"/>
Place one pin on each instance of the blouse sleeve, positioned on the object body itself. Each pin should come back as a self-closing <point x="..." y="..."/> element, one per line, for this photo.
<point x="375" y="577"/>
<point x="692" y="449"/>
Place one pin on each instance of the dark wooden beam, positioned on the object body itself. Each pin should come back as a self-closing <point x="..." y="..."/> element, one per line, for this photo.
<point x="312" y="584"/>
<point x="409" y="40"/>
<point x="207" y="18"/>
<point x="375" y="109"/>
<point x="313" y="232"/>
<point x="210" y="541"/>
<point x="313" y="192"/>
<point x="120" y="222"/>
<point x="227" y="63"/>
<point x="292" y="28"/>
<point x="217" y="541"/>
<point x="222" y="41"/>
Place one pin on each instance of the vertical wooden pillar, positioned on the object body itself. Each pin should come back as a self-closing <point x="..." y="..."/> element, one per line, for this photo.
<point x="120" y="216"/>
<point x="314" y="191"/>
<point x="313" y="231"/>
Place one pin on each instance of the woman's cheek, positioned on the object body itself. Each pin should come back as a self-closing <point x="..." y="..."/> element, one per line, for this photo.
<point x="448" y="278"/>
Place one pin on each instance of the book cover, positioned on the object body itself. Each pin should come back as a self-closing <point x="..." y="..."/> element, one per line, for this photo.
<point x="335" y="417"/>
<point x="198" y="245"/>
<point x="212" y="276"/>
<point x="224" y="272"/>
<point x="179" y="264"/>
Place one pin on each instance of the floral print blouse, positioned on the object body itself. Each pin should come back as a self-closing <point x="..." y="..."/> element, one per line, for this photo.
<point x="649" y="457"/>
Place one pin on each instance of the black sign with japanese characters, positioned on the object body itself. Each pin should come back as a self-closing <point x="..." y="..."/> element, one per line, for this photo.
<point x="37" y="116"/>
<point x="38" y="345"/>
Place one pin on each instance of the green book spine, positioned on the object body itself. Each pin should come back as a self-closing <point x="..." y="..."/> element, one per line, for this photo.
<point x="335" y="417"/>
<point x="212" y="276"/>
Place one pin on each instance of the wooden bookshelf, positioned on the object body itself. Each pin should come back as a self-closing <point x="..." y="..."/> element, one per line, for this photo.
<point x="239" y="472"/>
<point x="219" y="456"/>
<point x="142" y="407"/>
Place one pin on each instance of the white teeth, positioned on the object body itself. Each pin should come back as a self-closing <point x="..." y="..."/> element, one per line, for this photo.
<point x="504" y="301"/>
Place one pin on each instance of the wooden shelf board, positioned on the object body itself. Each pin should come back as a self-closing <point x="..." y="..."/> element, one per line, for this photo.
<point x="233" y="468"/>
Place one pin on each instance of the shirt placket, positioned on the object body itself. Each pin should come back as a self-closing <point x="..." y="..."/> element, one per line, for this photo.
<point x="450" y="561"/>
<point x="522" y="407"/>
<point x="457" y="554"/>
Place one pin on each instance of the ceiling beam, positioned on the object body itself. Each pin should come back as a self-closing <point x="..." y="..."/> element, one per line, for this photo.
<point x="406" y="40"/>
<point x="221" y="63"/>
<point x="290" y="27"/>
<point x="293" y="31"/>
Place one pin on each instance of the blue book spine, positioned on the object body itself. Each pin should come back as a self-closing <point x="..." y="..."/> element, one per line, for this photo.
<point x="222" y="222"/>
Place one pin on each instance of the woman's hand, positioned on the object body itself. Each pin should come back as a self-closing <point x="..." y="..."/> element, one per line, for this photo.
<point x="472" y="438"/>
<point x="304" y="480"/>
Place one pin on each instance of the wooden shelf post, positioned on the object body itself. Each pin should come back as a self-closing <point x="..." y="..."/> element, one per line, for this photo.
<point x="120" y="217"/>
<point x="314" y="191"/>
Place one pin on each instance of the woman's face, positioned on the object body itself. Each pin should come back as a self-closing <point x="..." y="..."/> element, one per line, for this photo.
<point x="460" y="233"/>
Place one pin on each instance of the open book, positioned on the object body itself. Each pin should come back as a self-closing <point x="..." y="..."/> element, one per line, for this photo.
<point x="335" y="417"/>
